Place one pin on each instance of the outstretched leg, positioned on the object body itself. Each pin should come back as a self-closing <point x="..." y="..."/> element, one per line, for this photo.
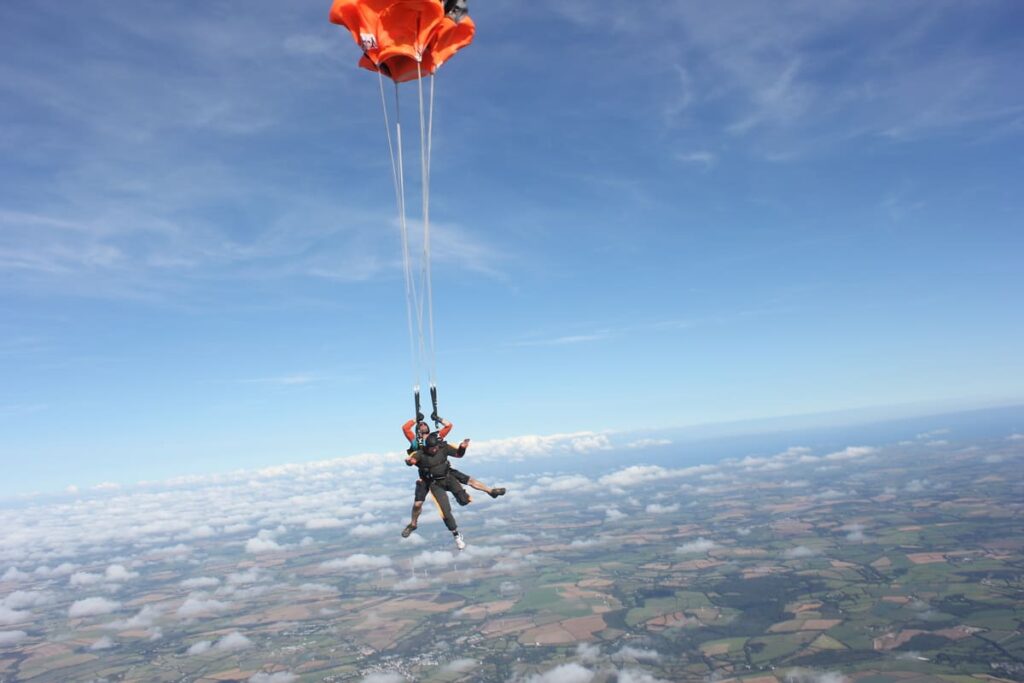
<point x="476" y="484"/>
<point x="417" y="508"/>
<point x="480" y="486"/>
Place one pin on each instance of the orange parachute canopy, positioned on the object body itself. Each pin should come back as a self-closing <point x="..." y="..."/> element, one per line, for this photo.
<point x="405" y="39"/>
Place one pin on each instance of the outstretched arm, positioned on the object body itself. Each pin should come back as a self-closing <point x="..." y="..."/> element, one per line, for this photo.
<point x="462" y="448"/>
<point x="446" y="426"/>
<point x="413" y="458"/>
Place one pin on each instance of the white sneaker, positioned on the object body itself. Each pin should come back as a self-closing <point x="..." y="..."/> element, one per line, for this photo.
<point x="460" y="543"/>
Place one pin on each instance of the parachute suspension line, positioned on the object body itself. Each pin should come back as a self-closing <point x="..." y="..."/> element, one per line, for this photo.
<point x="370" y="22"/>
<point x="430" y="288"/>
<point x="426" y="289"/>
<point x="398" y="176"/>
<point x="421" y="339"/>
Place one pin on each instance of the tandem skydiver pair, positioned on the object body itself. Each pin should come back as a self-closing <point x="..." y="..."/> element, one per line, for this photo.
<point x="429" y="452"/>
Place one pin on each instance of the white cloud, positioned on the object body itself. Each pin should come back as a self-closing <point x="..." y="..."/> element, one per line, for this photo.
<point x="233" y="641"/>
<point x="531" y="446"/>
<point x="84" y="579"/>
<point x="384" y="677"/>
<point x="701" y="545"/>
<point x="199" y="648"/>
<point x="278" y="677"/>
<point x="571" y="482"/>
<point x="513" y="538"/>
<point x="370" y="530"/>
<point x="413" y="583"/>
<point x="90" y="607"/>
<point x="104" y="643"/>
<point x="589" y="443"/>
<point x="799" y="551"/>
<point x="565" y="673"/>
<point x="358" y="562"/>
<point x="11" y="637"/>
<point x="648" y="443"/>
<point x="201" y="531"/>
<point x="460" y="666"/>
<point x="146" y="617"/>
<point x="635" y="676"/>
<point x="12" y="616"/>
<point x="634" y="474"/>
<point x="433" y="558"/>
<point x="262" y="545"/>
<point x="640" y="655"/>
<point x="117" y="572"/>
<point x="415" y="539"/>
<point x="324" y="523"/>
<point x="641" y="474"/>
<point x="246" y="593"/>
<point x="25" y="599"/>
<point x="252" y="575"/>
<point x="317" y="588"/>
<point x="199" y="606"/>
<point x="172" y="552"/>
<point x="851" y="453"/>
<point x="800" y="675"/>
<point x="200" y="582"/>
<point x="588" y="653"/>
<point x="481" y="551"/>
<point x="63" y="569"/>
<point x="515" y="562"/>
<point x="658" y="509"/>
<point x="14" y="574"/>
<point x="613" y="513"/>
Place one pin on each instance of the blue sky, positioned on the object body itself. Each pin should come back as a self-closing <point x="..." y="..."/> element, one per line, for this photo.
<point x="643" y="217"/>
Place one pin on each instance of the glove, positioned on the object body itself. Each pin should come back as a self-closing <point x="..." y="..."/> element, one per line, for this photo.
<point x="435" y="417"/>
<point x="419" y="417"/>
